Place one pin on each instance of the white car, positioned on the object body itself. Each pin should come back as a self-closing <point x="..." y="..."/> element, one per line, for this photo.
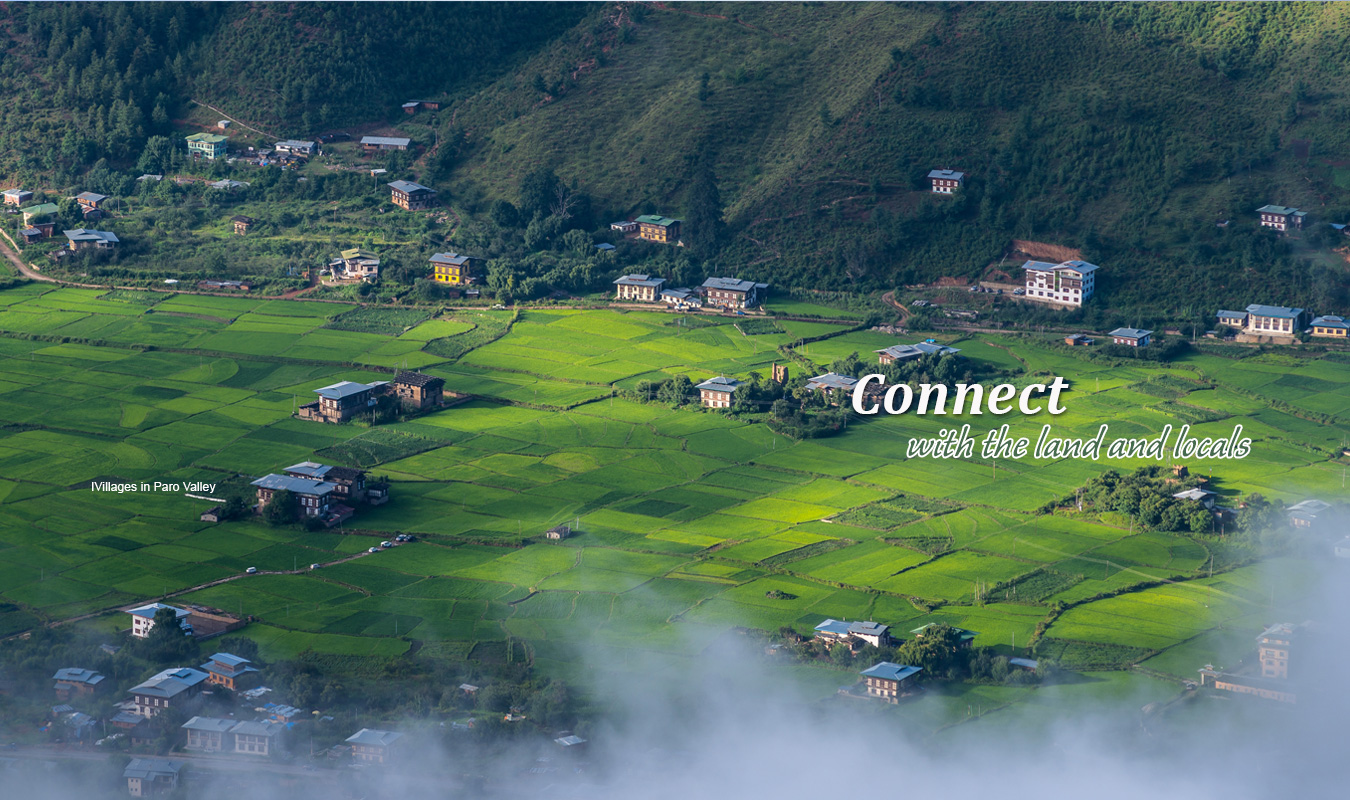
<point x="373" y="550"/>
<point x="313" y="566"/>
<point x="252" y="570"/>
<point x="386" y="544"/>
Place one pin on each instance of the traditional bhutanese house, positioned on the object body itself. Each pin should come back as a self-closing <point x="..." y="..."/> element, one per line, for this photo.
<point x="831" y="384"/>
<point x="1281" y="218"/>
<point x="1274" y="646"/>
<point x="343" y="400"/>
<point x="681" y="299"/>
<point x="945" y="181"/>
<point x="964" y="637"/>
<point x="455" y="269"/>
<point x="1308" y="514"/>
<point x="1256" y="686"/>
<point x="717" y="392"/>
<point x="231" y="671"/>
<point x="370" y="746"/>
<point x="873" y="633"/>
<point x="74" y="681"/>
<point x="643" y="288"/>
<point x="147" y="777"/>
<point x="624" y="226"/>
<point x="312" y="498"/>
<point x="410" y="107"/>
<point x="1273" y="320"/>
<point x="228" y="184"/>
<point x="296" y="147"/>
<point x="733" y="293"/>
<point x="909" y="352"/>
<point x="412" y="196"/>
<point x="375" y="144"/>
<point x="17" y="197"/>
<point x="85" y="239"/>
<point x="558" y="532"/>
<point x="656" y="228"/>
<point x="207" y="734"/>
<point x="242" y="223"/>
<point x="1202" y="496"/>
<point x="1130" y="337"/>
<point x="356" y="263"/>
<point x="886" y="680"/>
<point x="418" y="390"/>
<point x="39" y="211"/>
<point x="207" y="145"/>
<point x="605" y="248"/>
<point x="176" y="687"/>
<point x="1077" y="340"/>
<point x="90" y="200"/>
<point x="31" y="235"/>
<point x="1233" y="319"/>
<point x="143" y="619"/>
<point x="431" y="105"/>
<point x="1068" y="283"/>
<point x="254" y="738"/>
<point x="1332" y="326"/>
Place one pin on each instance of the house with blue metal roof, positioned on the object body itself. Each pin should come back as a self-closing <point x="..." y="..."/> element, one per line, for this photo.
<point x="831" y="385"/>
<point x="1331" y="326"/>
<point x="717" y="392"/>
<point x="1130" y="337"/>
<point x="312" y="498"/>
<point x="873" y="633"/>
<point x="371" y="746"/>
<point x="1281" y="321"/>
<point x="887" y="680"/>
<point x="733" y="293"/>
<point x="175" y="687"/>
<point x="343" y="400"/>
<point x="231" y="671"/>
<point x="681" y="298"/>
<point x="642" y="288"/>
<point x="374" y="144"/>
<point x="143" y="619"/>
<point x="412" y="196"/>
<point x="76" y="681"/>
<point x="147" y="777"/>
<point x="945" y="181"/>
<point x="908" y="352"/>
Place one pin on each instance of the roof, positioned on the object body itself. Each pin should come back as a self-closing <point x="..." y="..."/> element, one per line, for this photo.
<point x="412" y="104"/>
<point x="149" y="610"/>
<point x="949" y="174"/>
<point x="356" y="252"/>
<point x="30" y="231"/>
<point x="1309" y="507"/>
<point x="962" y="632"/>
<point x="209" y="138"/>
<point x="1280" y="312"/>
<point x="86" y="235"/>
<point x="890" y="671"/>
<point x="1280" y="630"/>
<point x="409" y="187"/>
<point x="569" y="740"/>
<point x="256" y="729"/>
<point x="1029" y="663"/>
<point x="852" y="628"/>
<point x="394" y="141"/>
<point x="901" y="351"/>
<point x="604" y="246"/>
<point x="78" y="675"/>
<point x="17" y="192"/>
<point x="310" y="469"/>
<point x="656" y="219"/>
<point x="1276" y="210"/>
<point x="170" y="683"/>
<point x="149" y="768"/>
<point x="452" y="259"/>
<point x="372" y="737"/>
<point x="733" y="284"/>
<point x="1226" y="314"/>
<point x="831" y="380"/>
<point x="1194" y="494"/>
<point x="720" y="384"/>
<point x="418" y="379"/>
<point x="1072" y="265"/>
<point x="639" y="280"/>
<point x="41" y="209"/>
<point x="294" y="144"/>
<point x="287" y="483"/>
<point x="228" y="183"/>
<point x="1130" y="333"/>
<point x="680" y="294"/>
<point x="208" y="724"/>
<point x="243" y="219"/>
<point x="93" y="197"/>
<point x="342" y="389"/>
<point x="1331" y="321"/>
<point x="229" y="659"/>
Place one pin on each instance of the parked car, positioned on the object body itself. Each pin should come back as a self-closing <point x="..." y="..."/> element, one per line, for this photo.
<point x="373" y="550"/>
<point x="1019" y="291"/>
<point x="252" y="570"/>
<point x="313" y="566"/>
<point x="386" y="544"/>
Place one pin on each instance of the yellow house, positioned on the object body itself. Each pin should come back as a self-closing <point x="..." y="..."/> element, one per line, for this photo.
<point x="1331" y="326"/>
<point x="455" y="269"/>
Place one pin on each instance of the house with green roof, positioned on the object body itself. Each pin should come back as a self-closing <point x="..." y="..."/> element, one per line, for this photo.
<point x="656" y="228"/>
<point x="207" y="145"/>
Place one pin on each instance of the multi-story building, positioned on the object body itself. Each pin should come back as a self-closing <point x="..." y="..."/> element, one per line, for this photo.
<point x="231" y="671"/>
<point x="1274" y="646"/>
<point x="343" y="400"/>
<point x="946" y="181"/>
<point x="656" y="228"/>
<point x="312" y="498"/>
<point x="370" y="746"/>
<point x="1281" y="218"/>
<point x="350" y="482"/>
<point x="207" y="734"/>
<point x="242" y="223"/>
<point x="1272" y="320"/>
<point x="872" y="633"/>
<point x="418" y="390"/>
<point x="143" y="619"/>
<point x="909" y="352"/>
<point x="642" y="288"/>
<point x="1330" y="326"/>
<point x="176" y="687"/>
<point x="73" y="681"/>
<point x="255" y="738"/>
<point x="455" y="269"/>
<point x="17" y="197"/>
<point x="207" y="145"/>
<point x="733" y="293"/>
<point x="832" y="384"/>
<point x="717" y="392"/>
<point x="1068" y="283"/>
<point x="147" y="777"/>
<point x="412" y="196"/>
<point x="214" y="735"/>
<point x="1130" y="337"/>
<point x="886" y="680"/>
<point x="681" y="299"/>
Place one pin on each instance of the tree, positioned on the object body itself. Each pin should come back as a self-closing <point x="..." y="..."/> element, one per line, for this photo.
<point x="1200" y="520"/>
<point x="504" y="215"/>
<point x="280" y="510"/>
<point x="167" y="641"/>
<point x="703" y="228"/>
<point x="537" y="191"/>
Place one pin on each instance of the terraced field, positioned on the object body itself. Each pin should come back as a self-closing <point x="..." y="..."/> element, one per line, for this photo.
<point x="691" y="522"/>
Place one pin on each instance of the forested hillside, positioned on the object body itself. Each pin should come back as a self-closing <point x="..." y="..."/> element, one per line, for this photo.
<point x="1129" y="130"/>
